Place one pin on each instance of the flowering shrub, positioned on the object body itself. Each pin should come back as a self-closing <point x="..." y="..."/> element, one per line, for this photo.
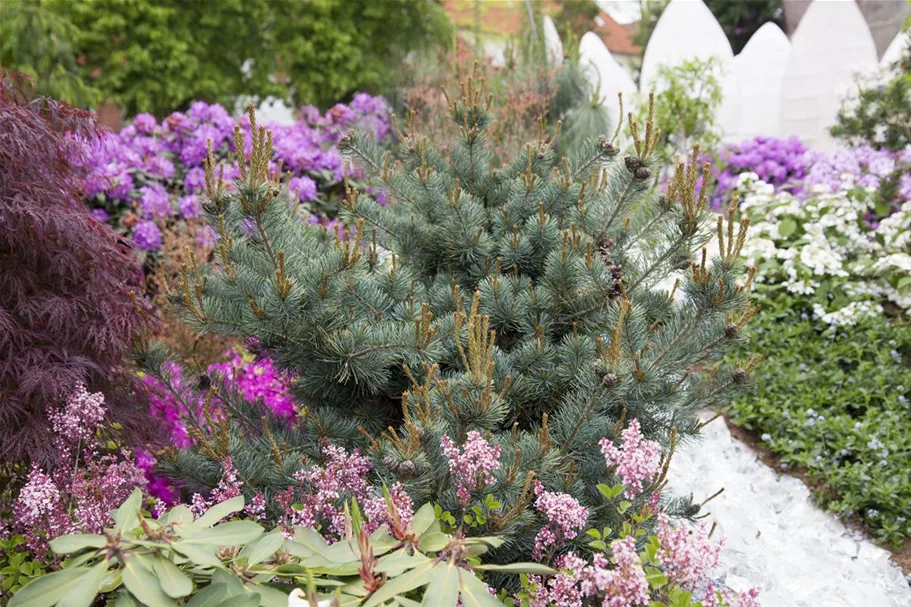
<point x="779" y="162"/>
<point x="151" y="173"/>
<point x="824" y="248"/>
<point x="788" y="166"/>
<point x="78" y="495"/>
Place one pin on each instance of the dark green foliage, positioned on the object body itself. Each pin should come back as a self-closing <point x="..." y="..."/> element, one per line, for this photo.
<point x="575" y="17"/>
<point x="517" y="302"/>
<point x="880" y="116"/>
<point x="740" y="20"/>
<point x="835" y="402"/>
<point x="159" y="55"/>
<point x="37" y="41"/>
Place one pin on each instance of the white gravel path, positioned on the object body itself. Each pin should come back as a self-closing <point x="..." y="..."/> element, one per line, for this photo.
<point x="776" y="539"/>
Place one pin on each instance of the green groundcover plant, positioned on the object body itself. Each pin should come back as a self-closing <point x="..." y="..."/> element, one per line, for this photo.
<point x="834" y="401"/>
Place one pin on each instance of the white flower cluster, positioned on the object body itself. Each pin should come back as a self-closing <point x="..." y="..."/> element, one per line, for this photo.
<point x="824" y="248"/>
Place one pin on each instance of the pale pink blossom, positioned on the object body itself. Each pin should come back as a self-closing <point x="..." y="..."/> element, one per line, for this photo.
<point x="637" y="461"/>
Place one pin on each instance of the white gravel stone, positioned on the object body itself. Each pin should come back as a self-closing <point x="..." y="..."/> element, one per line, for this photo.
<point x="776" y="539"/>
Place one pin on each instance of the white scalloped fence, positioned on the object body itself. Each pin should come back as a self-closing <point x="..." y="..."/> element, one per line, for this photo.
<point x="774" y="87"/>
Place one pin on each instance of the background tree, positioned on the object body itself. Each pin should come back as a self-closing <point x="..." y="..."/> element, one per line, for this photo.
<point x="38" y="41"/>
<point x="575" y="18"/>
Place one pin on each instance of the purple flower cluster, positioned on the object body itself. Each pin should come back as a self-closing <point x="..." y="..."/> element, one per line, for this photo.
<point x="788" y="165"/>
<point x="779" y="162"/>
<point x="79" y="494"/>
<point x="472" y="464"/>
<point x="155" y="170"/>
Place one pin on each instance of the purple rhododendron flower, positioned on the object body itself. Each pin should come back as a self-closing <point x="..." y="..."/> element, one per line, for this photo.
<point x="147" y="236"/>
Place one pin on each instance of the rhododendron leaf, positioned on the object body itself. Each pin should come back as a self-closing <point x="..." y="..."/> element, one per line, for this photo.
<point x="174" y="582"/>
<point x="67" y="544"/>
<point x="211" y="595"/>
<point x="258" y="551"/>
<point x="417" y="577"/>
<point x="142" y="582"/>
<point x="220" y="511"/>
<point x="199" y="555"/>
<point x="342" y="552"/>
<point x="233" y="585"/>
<point x="235" y="533"/>
<point x="493" y="542"/>
<point x="443" y="589"/>
<point x="86" y="589"/>
<point x="247" y="600"/>
<point x="422" y="519"/>
<point x="474" y="592"/>
<point x="310" y="538"/>
<point x="270" y="597"/>
<point x="127" y="516"/>
<point x="125" y="599"/>
<point x="398" y="562"/>
<point x="112" y="580"/>
<point x="178" y="514"/>
<point x="530" y="568"/>
<point x="47" y="590"/>
<point x="434" y="542"/>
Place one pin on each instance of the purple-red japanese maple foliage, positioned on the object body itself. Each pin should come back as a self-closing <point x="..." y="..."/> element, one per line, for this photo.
<point x="67" y="314"/>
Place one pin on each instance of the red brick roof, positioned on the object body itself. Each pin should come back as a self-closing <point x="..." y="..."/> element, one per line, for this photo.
<point x="505" y="17"/>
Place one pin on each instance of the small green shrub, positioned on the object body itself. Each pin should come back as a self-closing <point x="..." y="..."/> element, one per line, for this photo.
<point x="835" y="401"/>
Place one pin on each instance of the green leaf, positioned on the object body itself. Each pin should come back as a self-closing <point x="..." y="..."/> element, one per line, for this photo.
<point x="47" y="590"/>
<point x="247" y="600"/>
<point x="220" y="511"/>
<point x="235" y="533"/>
<point x="230" y="581"/>
<point x="178" y="514"/>
<point x="261" y="549"/>
<point x="530" y="568"/>
<point x="417" y="577"/>
<point x="210" y="596"/>
<point x="443" y="589"/>
<point x="422" y="519"/>
<point x="86" y="589"/>
<point x="474" y="592"/>
<point x="624" y="506"/>
<point x="270" y="597"/>
<point x="787" y="227"/>
<point x="127" y="516"/>
<point x="125" y="599"/>
<point x="66" y="544"/>
<point x="434" y="542"/>
<point x="173" y="581"/>
<point x="142" y="583"/>
<point x="198" y="555"/>
<point x="311" y="539"/>
<point x="397" y="562"/>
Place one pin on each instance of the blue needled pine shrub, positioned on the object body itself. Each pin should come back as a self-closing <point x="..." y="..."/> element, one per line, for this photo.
<point x="508" y="321"/>
<point x="67" y="313"/>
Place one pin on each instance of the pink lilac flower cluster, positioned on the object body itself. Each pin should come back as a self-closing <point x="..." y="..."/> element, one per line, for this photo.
<point x="622" y="584"/>
<point x="79" y="494"/>
<point x="637" y="461"/>
<point x="317" y="501"/>
<point x="687" y="554"/>
<point x="256" y="378"/>
<point x="472" y="464"/>
<point x="565" y="519"/>
<point x="156" y="169"/>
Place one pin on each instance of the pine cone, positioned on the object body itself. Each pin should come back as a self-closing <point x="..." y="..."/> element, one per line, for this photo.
<point x="610" y="380"/>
